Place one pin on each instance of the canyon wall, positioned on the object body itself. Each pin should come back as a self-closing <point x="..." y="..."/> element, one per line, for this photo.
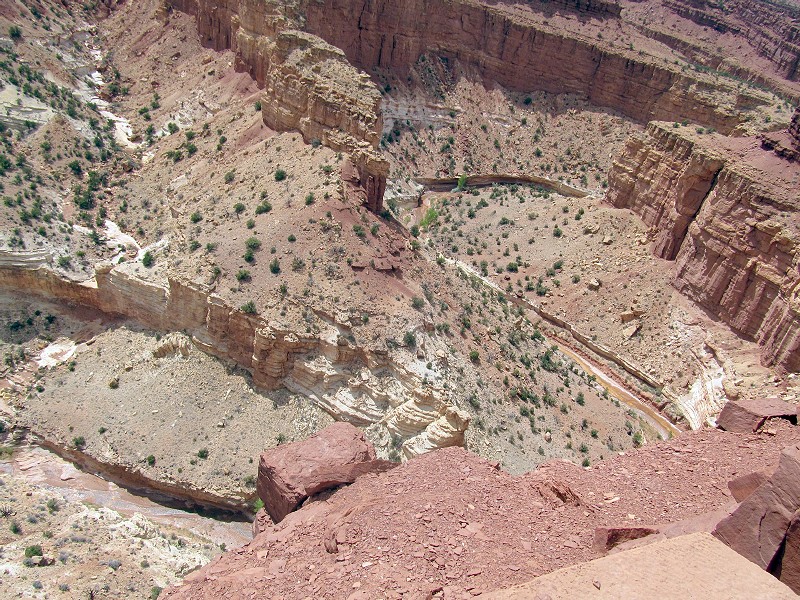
<point x="359" y="385"/>
<point x="523" y="54"/>
<point x="731" y="228"/>
<point x="772" y="28"/>
<point x="312" y="88"/>
<point x="309" y="85"/>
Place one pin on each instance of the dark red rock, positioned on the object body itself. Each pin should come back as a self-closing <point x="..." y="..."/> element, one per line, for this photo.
<point x="289" y="474"/>
<point x="746" y="416"/>
<point x="606" y="538"/>
<point x="743" y="486"/>
<point x="789" y="570"/>
<point x="757" y="528"/>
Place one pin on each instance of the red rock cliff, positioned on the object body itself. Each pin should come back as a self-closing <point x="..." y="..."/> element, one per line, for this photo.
<point x="309" y="85"/>
<point x="507" y="45"/>
<point x="730" y="224"/>
<point x="772" y="28"/>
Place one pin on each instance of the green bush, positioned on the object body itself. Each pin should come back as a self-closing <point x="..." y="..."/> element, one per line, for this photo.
<point x="410" y="339"/>
<point x="148" y="260"/>
<point x="275" y="266"/>
<point x="35" y="550"/>
<point x="280" y="175"/>
<point x="202" y="453"/>
<point x="249" y="307"/>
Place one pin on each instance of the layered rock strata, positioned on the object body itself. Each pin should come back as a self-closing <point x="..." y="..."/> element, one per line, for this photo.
<point x="771" y="28"/>
<point x="726" y="214"/>
<point x="309" y="85"/>
<point x="513" y="47"/>
<point x="354" y="384"/>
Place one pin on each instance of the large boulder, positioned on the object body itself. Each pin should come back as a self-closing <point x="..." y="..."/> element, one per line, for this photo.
<point x="290" y="473"/>
<point x="744" y="485"/>
<point x="746" y="416"/>
<point x="756" y="529"/>
<point x="789" y="569"/>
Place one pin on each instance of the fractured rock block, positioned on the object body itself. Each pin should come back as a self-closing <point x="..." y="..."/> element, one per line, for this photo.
<point x="746" y="416"/>
<point x="743" y="486"/>
<point x="289" y="474"/>
<point x="606" y="538"/>
<point x="789" y="570"/>
<point x="757" y="528"/>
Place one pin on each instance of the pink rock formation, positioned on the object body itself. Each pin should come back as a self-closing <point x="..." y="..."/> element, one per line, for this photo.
<point x="450" y="520"/>
<point x="725" y="211"/>
<point x="757" y="528"/>
<point x="744" y="416"/>
<point x="290" y="473"/>
<point x="789" y="571"/>
<point x="743" y="486"/>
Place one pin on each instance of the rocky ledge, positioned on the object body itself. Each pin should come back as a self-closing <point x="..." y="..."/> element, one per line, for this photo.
<point x="449" y="523"/>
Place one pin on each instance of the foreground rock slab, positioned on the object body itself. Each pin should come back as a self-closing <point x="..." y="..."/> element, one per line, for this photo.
<point x="451" y="520"/>
<point x="691" y="566"/>
<point x="748" y="415"/>
<point x="289" y="474"/>
<point x="757" y="528"/>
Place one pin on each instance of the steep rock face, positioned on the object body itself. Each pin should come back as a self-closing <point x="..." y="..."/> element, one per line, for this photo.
<point x="519" y="54"/>
<point x="352" y="383"/>
<point x="288" y="474"/>
<point x="730" y="227"/>
<point x="771" y="28"/>
<point x="794" y="128"/>
<point x="681" y="171"/>
<point x="309" y="85"/>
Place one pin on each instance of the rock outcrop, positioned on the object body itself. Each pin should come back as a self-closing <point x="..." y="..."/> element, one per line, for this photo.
<point x="352" y="383"/>
<point x="309" y="85"/>
<point x="522" y="52"/>
<point x="312" y="88"/>
<point x="771" y="28"/>
<point x="757" y="528"/>
<point x="290" y="473"/>
<point x="450" y="521"/>
<point x="745" y="416"/>
<point x="789" y="570"/>
<point x="725" y="211"/>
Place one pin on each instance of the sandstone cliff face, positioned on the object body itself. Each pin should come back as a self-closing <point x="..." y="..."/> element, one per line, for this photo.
<point x="518" y="54"/>
<point x="351" y="383"/>
<point x="309" y="85"/>
<point x="770" y="28"/>
<point x="731" y="229"/>
<point x="681" y="171"/>
<point x="794" y="128"/>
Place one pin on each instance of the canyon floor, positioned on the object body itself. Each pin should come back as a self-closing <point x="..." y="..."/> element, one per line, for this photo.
<point x="567" y="278"/>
